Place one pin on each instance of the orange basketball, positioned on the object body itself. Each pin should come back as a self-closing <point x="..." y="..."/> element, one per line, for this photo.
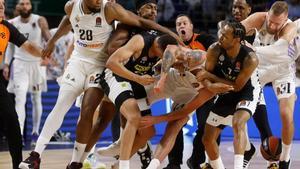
<point x="271" y="148"/>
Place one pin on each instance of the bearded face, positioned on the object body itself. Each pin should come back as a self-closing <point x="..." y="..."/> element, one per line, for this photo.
<point x="25" y="14"/>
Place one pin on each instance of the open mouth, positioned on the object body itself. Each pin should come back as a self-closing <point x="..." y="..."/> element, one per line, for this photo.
<point x="183" y="32"/>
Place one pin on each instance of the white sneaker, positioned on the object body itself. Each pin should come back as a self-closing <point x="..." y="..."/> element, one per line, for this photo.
<point x="93" y="162"/>
<point x="112" y="150"/>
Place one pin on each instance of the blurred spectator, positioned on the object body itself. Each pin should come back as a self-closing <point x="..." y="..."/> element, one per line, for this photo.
<point x="127" y="4"/>
<point x="193" y="3"/>
<point x="294" y="9"/>
<point x="56" y="64"/>
<point x="165" y="10"/>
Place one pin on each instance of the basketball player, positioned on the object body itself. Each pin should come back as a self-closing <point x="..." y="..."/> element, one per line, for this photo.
<point x="148" y="10"/>
<point x="91" y="21"/>
<point x="240" y="11"/>
<point x="114" y="84"/>
<point x="275" y="31"/>
<point x="184" y="28"/>
<point x="9" y="33"/>
<point x="142" y="52"/>
<point x="183" y="88"/>
<point x="231" y="62"/>
<point x="27" y="74"/>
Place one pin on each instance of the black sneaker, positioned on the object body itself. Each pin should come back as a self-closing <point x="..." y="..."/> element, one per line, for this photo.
<point x="172" y="166"/>
<point x="190" y="164"/>
<point x="284" y="164"/>
<point x="248" y="156"/>
<point x="206" y="166"/>
<point x="32" y="162"/>
<point x="74" y="165"/>
<point x="146" y="156"/>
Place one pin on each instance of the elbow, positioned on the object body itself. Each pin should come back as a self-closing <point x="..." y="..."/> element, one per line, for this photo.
<point x="237" y="88"/>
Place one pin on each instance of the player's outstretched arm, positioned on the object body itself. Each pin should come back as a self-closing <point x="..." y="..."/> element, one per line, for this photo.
<point x="132" y="49"/>
<point x="203" y="96"/>
<point x="32" y="48"/>
<point x="63" y="28"/>
<point x="114" y="11"/>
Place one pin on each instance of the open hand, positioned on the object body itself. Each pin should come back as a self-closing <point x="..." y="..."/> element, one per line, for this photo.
<point x="147" y="121"/>
<point x="48" y="50"/>
<point x="220" y="88"/>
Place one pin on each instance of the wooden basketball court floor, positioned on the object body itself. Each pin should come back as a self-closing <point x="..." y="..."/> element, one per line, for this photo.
<point x="58" y="158"/>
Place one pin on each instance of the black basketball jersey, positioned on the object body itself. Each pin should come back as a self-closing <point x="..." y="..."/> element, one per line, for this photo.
<point x="143" y="64"/>
<point x="229" y="69"/>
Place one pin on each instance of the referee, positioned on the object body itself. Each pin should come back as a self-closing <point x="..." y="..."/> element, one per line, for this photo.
<point x="8" y="33"/>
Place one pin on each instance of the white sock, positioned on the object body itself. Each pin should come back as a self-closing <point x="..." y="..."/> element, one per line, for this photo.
<point x="271" y="162"/>
<point x="84" y="156"/>
<point x="154" y="164"/>
<point x="217" y="163"/>
<point x="285" y="154"/>
<point x="94" y="150"/>
<point x="41" y="144"/>
<point x="124" y="164"/>
<point x="78" y="151"/>
<point x="238" y="161"/>
<point x="143" y="149"/>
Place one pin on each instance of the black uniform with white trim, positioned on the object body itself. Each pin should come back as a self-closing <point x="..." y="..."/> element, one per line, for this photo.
<point x="228" y="103"/>
<point x="119" y="89"/>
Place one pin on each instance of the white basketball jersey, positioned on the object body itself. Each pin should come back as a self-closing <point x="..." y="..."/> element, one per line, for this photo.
<point x="91" y="31"/>
<point x="263" y="38"/>
<point x="32" y="31"/>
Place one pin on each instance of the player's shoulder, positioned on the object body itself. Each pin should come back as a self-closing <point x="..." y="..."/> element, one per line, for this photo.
<point x="14" y="20"/>
<point x="69" y="6"/>
<point x="215" y="46"/>
<point x="250" y="54"/>
<point x="7" y="24"/>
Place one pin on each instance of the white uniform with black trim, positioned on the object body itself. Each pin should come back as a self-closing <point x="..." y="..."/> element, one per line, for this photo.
<point x="278" y="70"/>
<point x="87" y="61"/>
<point x="26" y="72"/>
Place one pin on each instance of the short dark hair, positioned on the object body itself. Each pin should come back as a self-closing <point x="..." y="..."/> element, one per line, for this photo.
<point x="279" y="7"/>
<point x="181" y="15"/>
<point x="165" y="40"/>
<point x="140" y="3"/>
<point x="239" y="30"/>
<point x="249" y="2"/>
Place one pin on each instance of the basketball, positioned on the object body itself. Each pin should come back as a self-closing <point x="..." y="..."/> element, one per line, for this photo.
<point x="271" y="148"/>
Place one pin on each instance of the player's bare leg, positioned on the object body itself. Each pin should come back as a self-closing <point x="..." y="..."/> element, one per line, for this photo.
<point x="167" y="142"/>
<point x="131" y="112"/>
<point x="209" y="140"/>
<point x="239" y="121"/>
<point x="286" y="113"/>
<point x="91" y="100"/>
